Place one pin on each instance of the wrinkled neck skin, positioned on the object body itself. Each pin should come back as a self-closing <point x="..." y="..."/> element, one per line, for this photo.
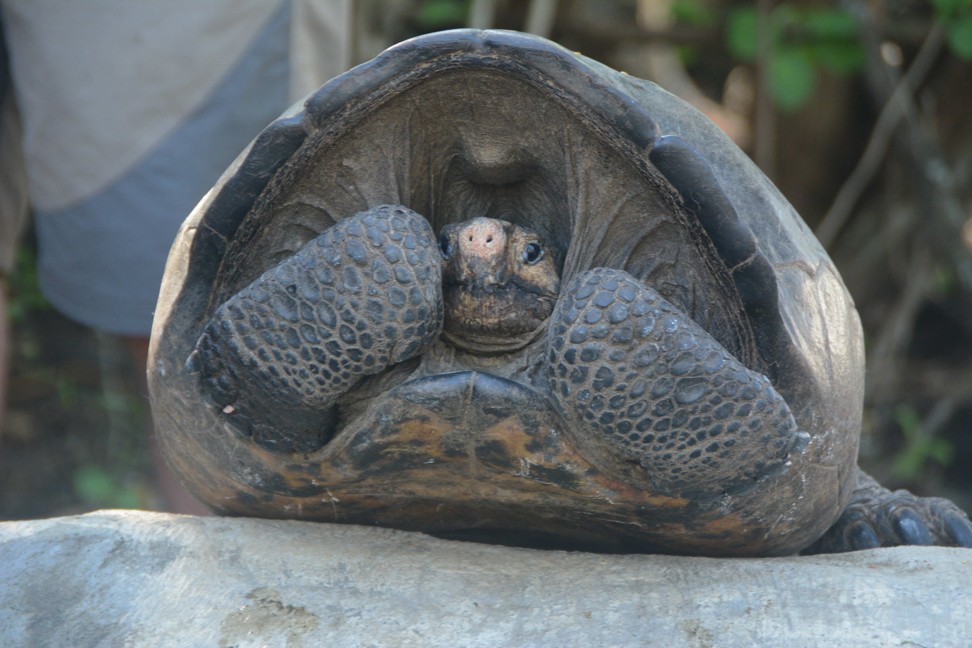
<point x="520" y="364"/>
<point x="490" y="348"/>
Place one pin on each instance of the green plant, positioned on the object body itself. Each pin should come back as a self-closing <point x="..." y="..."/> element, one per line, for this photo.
<point x="919" y="448"/>
<point x="801" y="40"/>
<point x="25" y="294"/>
<point x="97" y="488"/>
<point x="956" y="17"/>
<point x="441" y="14"/>
<point x="692" y="12"/>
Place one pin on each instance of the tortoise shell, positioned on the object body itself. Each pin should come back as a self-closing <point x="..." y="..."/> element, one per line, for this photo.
<point x="613" y="172"/>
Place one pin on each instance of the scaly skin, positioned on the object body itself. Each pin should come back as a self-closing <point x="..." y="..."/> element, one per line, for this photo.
<point x="362" y="296"/>
<point x="878" y="517"/>
<point x="499" y="284"/>
<point x="627" y="370"/>
<point x="626" y="364"/>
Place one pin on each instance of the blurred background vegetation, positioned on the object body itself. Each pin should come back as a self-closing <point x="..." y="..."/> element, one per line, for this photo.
<point x="858" y="110"/>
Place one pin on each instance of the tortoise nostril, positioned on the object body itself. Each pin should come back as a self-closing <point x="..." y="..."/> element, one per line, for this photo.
<point x="482" y="237"/>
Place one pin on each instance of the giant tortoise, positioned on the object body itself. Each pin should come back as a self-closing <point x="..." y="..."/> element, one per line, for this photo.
<point x="489" y="289"/>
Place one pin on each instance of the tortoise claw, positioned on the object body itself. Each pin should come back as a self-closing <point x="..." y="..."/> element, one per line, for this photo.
<point x="959" y="528"/>
<point x="860" y="535"/>
<point x="910" y="528"/>
<point x="877" y="517"/>
<point x="854" y="531"/>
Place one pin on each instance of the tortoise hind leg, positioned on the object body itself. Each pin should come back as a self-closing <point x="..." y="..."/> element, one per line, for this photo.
<point x="878" y="517"/>
<point x="362" y="296"/>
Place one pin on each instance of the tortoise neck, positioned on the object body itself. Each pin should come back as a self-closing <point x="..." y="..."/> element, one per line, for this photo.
<point x="487" y="344"/>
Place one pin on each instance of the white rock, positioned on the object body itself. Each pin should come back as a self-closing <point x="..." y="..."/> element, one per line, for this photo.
<point x="142" y="579"/>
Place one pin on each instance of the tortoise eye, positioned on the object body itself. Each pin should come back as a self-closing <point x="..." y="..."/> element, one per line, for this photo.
<point x="532" y="253"/>
<point x="445" y="246"/>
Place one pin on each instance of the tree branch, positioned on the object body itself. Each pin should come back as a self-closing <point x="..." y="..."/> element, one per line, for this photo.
<point x="895" y="109"/>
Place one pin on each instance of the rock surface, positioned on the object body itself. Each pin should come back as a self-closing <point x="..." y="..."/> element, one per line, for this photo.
<point x="130" y="578"/>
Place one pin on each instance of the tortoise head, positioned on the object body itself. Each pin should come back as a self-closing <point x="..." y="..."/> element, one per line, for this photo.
<point x="499" y="283"/>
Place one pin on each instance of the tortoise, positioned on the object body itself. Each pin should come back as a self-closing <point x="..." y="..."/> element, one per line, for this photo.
<point x="490" y="289"/>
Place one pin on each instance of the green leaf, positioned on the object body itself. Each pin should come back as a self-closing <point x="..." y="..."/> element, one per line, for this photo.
<point x="784" y="18"/>
<point x="93" y="485"/>
<point x="97" y="487"/>
<point x="830" y="24"/>
<point x="692" y="12"/>
<point x="117" y="401"/>
<point x="25" y="295"/>
<point x="67" y="391"/>
<point x="128" y="499"/>
<point x="791" y="78"/>
<point x="908" y="465"/>
<point x="959" y="34"/>
<point x="907" y="418"/>
<point x="833" y="40"/>
<point x="918" y="449"/>
<point x="944" y="281"/>
<point x="741" y="33"/>
<point x="948" y="8"/>
<point x="841" y="58"/>
<point x="941" y="450"/>
<point x="442" y="13"/>
<point x="688" y="55"/>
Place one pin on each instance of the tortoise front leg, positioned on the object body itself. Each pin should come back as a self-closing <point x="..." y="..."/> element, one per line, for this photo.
<point x="878" y="517"/>
<point x="362" y="296"/>
<point x="627" y="365"/>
